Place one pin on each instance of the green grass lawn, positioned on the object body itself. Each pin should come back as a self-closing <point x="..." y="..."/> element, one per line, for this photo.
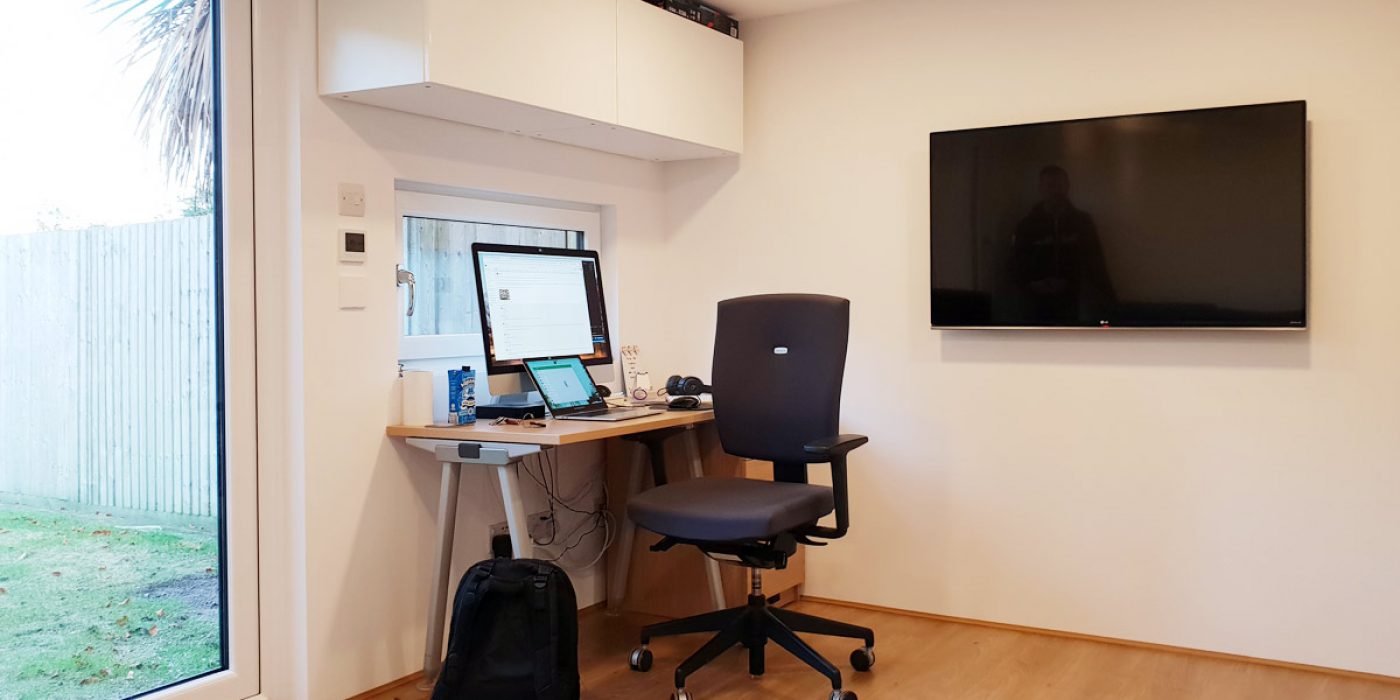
<point x="96" y="606"/>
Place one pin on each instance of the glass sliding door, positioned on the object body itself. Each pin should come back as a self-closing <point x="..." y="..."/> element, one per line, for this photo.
<point x="127" y="473"/>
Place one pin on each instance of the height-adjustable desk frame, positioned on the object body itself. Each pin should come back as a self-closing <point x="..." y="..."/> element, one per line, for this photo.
<point x="503" y="447"/>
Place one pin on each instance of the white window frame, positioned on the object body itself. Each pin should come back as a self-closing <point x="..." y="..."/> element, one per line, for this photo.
<point x="242" y="678"/>
<point x="475" y="209"/>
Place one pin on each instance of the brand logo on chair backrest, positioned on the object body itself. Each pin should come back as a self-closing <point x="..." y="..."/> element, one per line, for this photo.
<point x="780" y="350"/>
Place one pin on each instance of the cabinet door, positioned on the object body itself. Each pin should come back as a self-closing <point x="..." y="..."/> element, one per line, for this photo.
<point x="678" y="78"/>
<point x="556" y="54"/>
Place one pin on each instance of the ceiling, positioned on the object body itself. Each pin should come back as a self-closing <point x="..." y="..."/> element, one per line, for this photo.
<point x="754" y="9"/>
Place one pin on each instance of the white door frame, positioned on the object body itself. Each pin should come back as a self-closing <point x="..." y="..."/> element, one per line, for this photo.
<point x="279" y="35"/>
<point x="240" y="444"/>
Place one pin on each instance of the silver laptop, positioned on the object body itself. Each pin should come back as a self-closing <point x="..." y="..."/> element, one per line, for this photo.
<point x="569" y="392"/>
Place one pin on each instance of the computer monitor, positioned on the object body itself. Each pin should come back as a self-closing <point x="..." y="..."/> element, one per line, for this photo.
<point x="538" y="302"/>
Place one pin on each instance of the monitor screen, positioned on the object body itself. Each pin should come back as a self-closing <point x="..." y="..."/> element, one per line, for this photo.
<point x="540" y="302"/>
<point x="1178" y="219"/>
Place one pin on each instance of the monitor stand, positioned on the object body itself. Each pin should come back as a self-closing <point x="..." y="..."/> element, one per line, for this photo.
<point x="518" y="399"/>
<point x="515" y="400"/>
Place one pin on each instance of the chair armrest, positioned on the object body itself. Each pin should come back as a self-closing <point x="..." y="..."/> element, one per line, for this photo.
<point x="832" y="450"/>
<point x="834" y="446"/>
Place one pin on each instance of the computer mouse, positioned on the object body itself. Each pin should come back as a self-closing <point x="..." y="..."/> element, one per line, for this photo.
<point x="685" y="402"/>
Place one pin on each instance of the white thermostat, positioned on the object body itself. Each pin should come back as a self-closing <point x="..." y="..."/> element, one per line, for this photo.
<point x="352" y="246"/>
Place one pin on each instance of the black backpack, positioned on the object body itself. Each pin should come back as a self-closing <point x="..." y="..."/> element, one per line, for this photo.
<point x="514" y="634"/>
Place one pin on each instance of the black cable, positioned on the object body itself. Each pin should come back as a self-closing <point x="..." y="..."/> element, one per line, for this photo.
<point x="553" y="521"/>
<point x="548" y="480"/>
<point x="597" y="523"/>
<point x="552" y="492"/>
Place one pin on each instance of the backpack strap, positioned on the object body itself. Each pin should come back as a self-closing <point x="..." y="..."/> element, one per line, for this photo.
<point x="468" y="599"/>
<point x="544" y="630"/>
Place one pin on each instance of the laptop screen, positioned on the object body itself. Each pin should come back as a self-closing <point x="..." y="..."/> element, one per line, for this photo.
<point x="564" y="383"/>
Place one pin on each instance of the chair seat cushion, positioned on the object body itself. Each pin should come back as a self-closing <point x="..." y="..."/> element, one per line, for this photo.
<point x="724" y="510"/>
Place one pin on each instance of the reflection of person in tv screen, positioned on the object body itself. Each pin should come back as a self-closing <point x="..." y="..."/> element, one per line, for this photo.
<point x="1057" y="261"/>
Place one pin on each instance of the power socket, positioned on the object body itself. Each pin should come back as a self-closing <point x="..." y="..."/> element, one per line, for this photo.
<point x="541" y="525"/>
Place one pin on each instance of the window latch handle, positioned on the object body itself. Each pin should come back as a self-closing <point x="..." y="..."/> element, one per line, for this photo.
<point x="405" y="277"/>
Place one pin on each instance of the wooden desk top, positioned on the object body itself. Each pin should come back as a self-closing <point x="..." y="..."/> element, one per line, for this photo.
<point x="555" y="432"/>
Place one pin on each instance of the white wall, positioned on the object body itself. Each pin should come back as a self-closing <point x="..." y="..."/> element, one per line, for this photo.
<point x="1229" y="491"/>
<point x="1226" y="491"/>
<point x="360" y="508"/>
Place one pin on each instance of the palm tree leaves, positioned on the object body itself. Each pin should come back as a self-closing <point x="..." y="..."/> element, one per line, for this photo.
<point x="176" y="105"/>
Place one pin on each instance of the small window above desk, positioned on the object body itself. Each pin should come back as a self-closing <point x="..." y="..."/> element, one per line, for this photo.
<point x="436" y="233"/>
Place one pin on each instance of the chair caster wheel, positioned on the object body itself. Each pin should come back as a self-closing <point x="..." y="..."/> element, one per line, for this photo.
<point x="843" y="695"/>
<point x="640" y="660"/>
<point x="682" y="694"/>
<point x="863" y="659"/>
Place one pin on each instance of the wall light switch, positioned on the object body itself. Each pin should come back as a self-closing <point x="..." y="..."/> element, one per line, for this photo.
<point x="354" y="290"/>
<point x="352" y="199"/>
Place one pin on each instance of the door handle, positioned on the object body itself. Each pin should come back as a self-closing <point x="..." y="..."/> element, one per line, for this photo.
<point x="403" y="277"/>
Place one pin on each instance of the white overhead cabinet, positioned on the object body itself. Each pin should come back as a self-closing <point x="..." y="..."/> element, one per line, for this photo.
<point x="620" y="76"/>
<point x="679" y="78"/>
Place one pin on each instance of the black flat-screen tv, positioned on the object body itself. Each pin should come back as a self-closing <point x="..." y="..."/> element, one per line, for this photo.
<point x="1190" y="219"/>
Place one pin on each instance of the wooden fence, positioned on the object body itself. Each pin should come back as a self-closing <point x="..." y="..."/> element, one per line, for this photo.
<point x="108" y="378"/>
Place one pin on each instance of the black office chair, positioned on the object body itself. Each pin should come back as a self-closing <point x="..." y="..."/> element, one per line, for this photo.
<point x="777" y="372"/>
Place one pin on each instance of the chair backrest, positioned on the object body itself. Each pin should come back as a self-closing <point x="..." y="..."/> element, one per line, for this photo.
<point x="779" y="360"/>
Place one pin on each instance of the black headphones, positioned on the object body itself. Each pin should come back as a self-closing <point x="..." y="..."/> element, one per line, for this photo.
<point x="686" y="386"/>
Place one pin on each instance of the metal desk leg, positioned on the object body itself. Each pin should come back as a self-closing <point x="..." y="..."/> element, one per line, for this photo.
<point x="697" y="470"/>
<point x="437" y="604"/>
<point x="515" y="510"/>
<point x="622" y="548"/>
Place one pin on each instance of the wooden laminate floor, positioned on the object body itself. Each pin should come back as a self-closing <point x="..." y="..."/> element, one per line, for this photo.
<point x="930" y="659"/>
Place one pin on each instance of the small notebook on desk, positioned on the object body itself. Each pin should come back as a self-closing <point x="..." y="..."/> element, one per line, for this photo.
<point x="702" y="402"/>
<point x="678" y="403"/>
